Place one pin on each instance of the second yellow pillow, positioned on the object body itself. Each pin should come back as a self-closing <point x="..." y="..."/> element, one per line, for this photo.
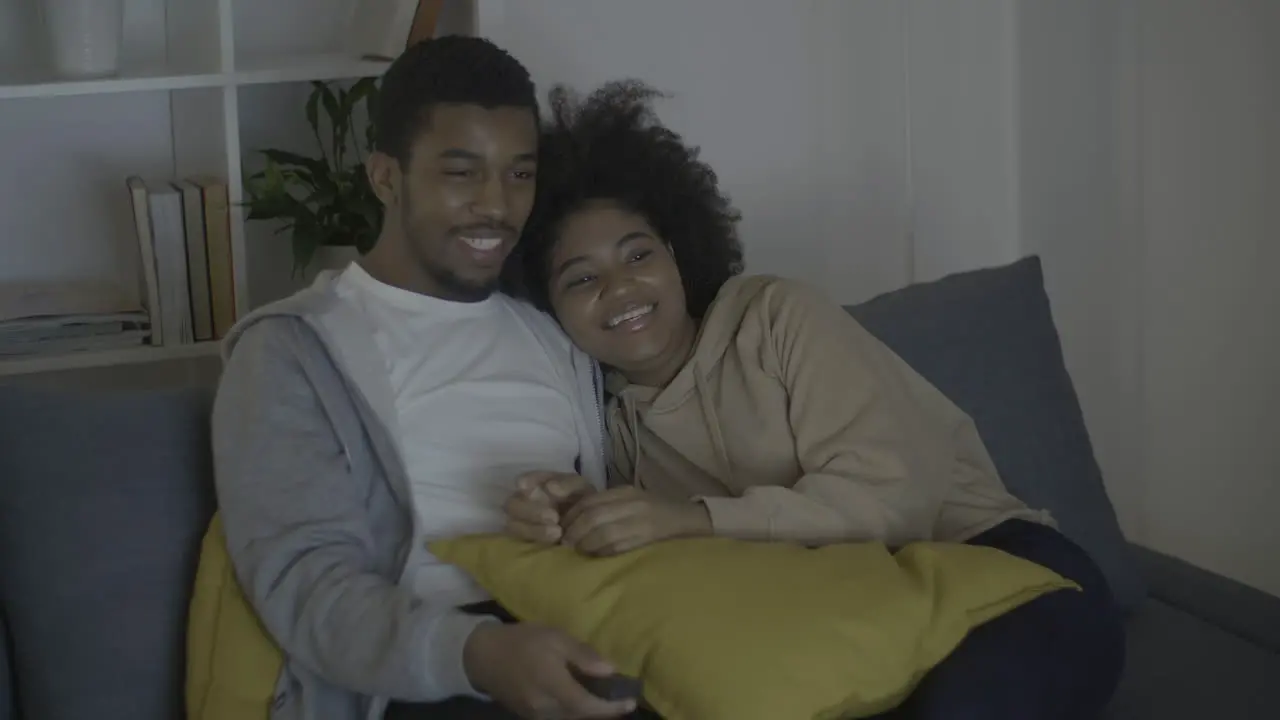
<point x="232" y="663"/>
<point x="720" y="629"/>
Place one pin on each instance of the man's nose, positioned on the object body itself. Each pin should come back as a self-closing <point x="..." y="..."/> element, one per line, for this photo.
<point x="491" y="200"/>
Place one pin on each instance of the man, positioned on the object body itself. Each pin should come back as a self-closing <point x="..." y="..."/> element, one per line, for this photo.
<point x="398" y="402"/>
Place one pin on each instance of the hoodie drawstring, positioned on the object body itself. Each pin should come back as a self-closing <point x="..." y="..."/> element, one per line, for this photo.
<point x="709" y="417"/>
<point x="713" y="427"/>
<point x="633" y="419"/>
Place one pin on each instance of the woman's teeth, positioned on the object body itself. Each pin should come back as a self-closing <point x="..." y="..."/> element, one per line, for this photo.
<point x="487" y="244"/>
<point x="629" y="315"/>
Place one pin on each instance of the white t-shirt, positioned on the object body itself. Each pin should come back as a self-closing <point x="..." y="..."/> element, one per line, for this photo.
<point x="477" y="402"/>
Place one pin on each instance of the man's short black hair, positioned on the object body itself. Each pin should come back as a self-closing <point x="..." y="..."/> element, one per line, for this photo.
<point x="610" y="146"/>
<point x="454" y="69"/>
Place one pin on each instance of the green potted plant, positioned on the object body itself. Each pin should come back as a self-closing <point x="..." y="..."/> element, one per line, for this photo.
<point x="325" y="201"/>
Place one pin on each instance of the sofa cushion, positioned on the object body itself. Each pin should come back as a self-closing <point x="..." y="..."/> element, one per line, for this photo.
<point x="1242" y="610"/>
<point x="1183" y="668"/>
<point x="104" y="500"/>
<point x="986" y="339"/>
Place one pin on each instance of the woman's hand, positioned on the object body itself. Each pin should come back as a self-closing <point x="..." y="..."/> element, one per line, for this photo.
<point x="534" y="509"/>
<point x="615" y="521"/>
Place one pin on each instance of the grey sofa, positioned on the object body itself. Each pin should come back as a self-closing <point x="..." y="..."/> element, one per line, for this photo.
<point x="104" y="497"/>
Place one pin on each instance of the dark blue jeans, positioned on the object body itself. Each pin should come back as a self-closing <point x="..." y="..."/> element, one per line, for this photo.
<point x="1059" y="657"/>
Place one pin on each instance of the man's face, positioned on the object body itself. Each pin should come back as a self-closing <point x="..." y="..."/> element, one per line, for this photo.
<point x="464" y="196"/>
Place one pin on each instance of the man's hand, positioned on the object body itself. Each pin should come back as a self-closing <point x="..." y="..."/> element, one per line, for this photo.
<point x="615" y="521"/>
<point x="526" y="668"/>
<point x="534" y="509"/>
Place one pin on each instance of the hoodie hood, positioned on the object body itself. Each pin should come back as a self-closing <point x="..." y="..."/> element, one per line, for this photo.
<point x="313" y="299"/>
<point x="687" y="400"/>
<point x="716" y="334"/>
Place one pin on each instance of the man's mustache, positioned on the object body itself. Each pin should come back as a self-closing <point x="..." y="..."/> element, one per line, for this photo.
<point x="502" y="229"/>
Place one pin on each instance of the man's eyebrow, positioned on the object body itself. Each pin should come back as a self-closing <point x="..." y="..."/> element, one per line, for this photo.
<point x="459" y="154"/>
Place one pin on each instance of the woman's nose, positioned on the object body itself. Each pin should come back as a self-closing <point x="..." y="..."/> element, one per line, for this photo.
<point x="618" y="285"/>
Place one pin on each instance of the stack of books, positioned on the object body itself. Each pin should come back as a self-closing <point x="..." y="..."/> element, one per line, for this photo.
<point x="184" y="247"/>
<point x="58" y="317"/>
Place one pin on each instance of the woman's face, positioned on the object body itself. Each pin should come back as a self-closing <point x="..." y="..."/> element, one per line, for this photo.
<point x="616" y="290"/>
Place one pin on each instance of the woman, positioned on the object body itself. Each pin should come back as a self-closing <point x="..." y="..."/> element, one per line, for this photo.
<point x="750" y="407"/>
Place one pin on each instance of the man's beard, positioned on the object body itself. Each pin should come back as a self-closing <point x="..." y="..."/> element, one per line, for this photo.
<point x="452" y="286"/>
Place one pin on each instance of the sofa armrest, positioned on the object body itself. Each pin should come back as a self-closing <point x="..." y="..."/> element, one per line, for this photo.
<point x="1237" y="608"/>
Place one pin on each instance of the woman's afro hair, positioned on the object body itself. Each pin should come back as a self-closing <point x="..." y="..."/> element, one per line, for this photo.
<point x="610" y="146"/>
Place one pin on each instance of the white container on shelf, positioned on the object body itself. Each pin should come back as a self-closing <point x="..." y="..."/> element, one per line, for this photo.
<point x="84" y="36"/>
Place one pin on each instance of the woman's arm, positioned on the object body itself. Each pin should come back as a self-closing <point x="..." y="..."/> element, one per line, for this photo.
<point x="875" y="441"/>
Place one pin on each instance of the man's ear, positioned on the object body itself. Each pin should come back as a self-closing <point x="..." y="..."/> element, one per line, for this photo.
<point x="384" y="176"/>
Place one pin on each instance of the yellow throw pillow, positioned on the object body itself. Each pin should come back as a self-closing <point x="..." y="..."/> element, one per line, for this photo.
<point x="232" y="663"/>
<point x="720" y="629"/>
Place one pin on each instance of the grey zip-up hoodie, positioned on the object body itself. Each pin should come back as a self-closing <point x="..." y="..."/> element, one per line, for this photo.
<point x="316" y="506"/>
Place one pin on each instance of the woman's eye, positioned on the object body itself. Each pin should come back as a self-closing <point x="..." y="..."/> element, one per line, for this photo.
<point x="524" y="174"/>
<point x="458" y="173"/>
<point x="639" y="255"/>
<point x="579" y="281"/>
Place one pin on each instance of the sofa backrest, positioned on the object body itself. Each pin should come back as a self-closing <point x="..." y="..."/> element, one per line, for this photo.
<point x="104" y="499"/>
<point x="986" y="338"/>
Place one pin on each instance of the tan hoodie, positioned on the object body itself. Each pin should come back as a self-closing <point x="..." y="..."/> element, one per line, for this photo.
<point x="792" y="422"/>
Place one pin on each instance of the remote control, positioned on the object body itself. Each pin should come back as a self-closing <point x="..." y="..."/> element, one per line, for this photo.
<point x="612" y="687"/>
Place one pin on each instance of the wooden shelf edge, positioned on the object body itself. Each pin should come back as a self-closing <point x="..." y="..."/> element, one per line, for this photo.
<point x="304" y="68"/>
<point x="299" y="68"/>
<point x="137" y="83"/>
<point x="107" y="358"/>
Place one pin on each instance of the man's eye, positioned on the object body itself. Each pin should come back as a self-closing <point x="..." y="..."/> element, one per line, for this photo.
<point x="458" y="173"/>
<point x="524" y="174"/>
<point x="639" y="255"/>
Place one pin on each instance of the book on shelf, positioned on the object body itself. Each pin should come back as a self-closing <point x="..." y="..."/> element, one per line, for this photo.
<point x="187" y="281"/>
<point x="56" y="317"/>
<point x="382" y="29"/>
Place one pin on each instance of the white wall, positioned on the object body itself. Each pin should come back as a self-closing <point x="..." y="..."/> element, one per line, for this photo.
<point x="1130" y="143"/>
<point x="1150" y="142"/>
<point x="963" y="133"/>
<point x="1209" y="208"/>
<point x="800" y="107"/>
<point x="1075" y="104"/>
<point x="1147" y="147"/>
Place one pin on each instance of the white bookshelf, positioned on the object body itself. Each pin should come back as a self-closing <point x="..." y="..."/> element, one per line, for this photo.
<point x="108" y="358"/>
<point x="203" y="85"/>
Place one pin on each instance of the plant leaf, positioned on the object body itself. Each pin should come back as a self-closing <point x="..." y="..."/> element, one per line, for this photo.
<point x="273" y="178"/>
<point x="371" y="104"/>
<point x="321" y="201"/>
<point x="305" y="239"/>
<point x="333" y="109"/>
<point x="363" y="89"/>
<point x="313" y="113"/>
<point x="284" y="157"/>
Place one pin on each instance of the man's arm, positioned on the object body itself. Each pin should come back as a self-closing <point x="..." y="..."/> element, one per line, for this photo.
<point x="298" y="534"/>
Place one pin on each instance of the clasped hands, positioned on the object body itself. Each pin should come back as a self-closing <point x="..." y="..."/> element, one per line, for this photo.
<point x="550" y="508"/>
<point x="527" y="668"/>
